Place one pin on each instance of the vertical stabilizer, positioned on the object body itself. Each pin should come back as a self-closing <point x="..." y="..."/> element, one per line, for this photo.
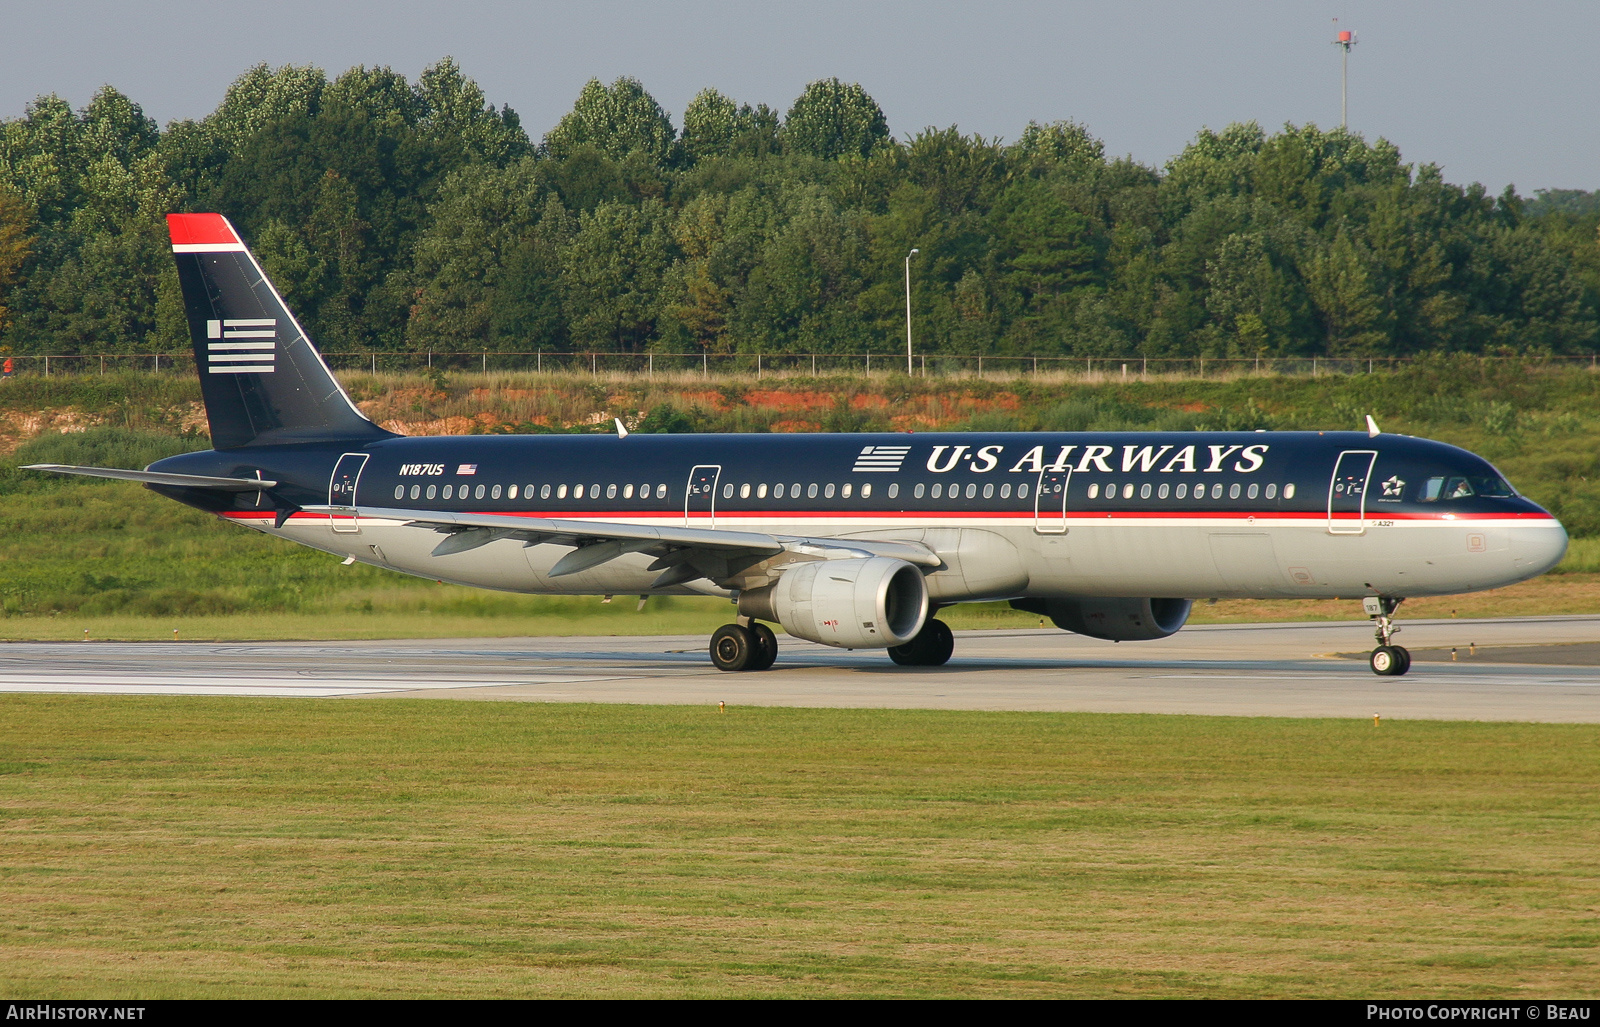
<point x="262" y="380"/>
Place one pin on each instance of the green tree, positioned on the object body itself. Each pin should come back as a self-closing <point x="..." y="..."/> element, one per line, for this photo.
<point x="831" y="119"/>
<point x="618" y="120"/>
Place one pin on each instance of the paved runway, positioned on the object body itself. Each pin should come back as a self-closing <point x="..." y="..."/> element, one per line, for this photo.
<point x="1537" y="668"/>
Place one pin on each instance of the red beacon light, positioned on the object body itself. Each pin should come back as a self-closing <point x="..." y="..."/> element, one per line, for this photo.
<point x="1346" y="36"/>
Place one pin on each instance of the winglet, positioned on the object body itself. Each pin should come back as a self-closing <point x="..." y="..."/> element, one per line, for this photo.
<point x="1372" y="428"/>
<point x="622" y="430"/>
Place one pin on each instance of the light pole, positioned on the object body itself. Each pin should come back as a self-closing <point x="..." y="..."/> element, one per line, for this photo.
<point x="913" y="253"/>
<point x="1344" y="40"/>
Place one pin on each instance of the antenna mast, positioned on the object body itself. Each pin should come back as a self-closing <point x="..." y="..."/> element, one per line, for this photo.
<point x="1344" y="39"/>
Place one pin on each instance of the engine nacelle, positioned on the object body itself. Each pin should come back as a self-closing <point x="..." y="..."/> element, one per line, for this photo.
<point x="1118" y="620"/>
<point x="853" y="604"/>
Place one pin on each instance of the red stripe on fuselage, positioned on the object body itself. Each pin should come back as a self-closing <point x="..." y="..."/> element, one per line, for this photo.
<point x="1129" y="515"/>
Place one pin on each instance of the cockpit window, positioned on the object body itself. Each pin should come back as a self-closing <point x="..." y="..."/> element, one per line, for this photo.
<point x="1446" y="488"/>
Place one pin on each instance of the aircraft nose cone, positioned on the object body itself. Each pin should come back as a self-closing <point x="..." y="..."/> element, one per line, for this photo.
<point x="1535" y="550"/>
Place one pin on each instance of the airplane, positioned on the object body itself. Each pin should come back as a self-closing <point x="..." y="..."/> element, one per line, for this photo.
<point x="851" y="540"/>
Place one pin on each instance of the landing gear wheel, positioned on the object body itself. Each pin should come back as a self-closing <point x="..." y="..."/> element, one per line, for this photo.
<point x="732" y="647"/>
<point x="931" y="647"/>
<point x="1388" y="659"/>
<point x="766" y="646"/>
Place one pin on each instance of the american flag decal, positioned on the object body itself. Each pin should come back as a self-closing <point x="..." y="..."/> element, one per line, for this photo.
<point x="881" y="458"/>
<point x="242" y="345"/>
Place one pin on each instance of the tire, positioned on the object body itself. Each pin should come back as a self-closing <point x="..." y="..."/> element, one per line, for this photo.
<point x="1385" y="661"/>
<point x="732" y="647"/>
<point x="931" y="647"/>
<point x="941" y="643"/>
<point x="766" y="648"/>
<point x="1405" y="659"/>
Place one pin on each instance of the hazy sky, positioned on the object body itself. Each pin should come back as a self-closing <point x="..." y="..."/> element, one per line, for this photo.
<point x="1493" y="91"/>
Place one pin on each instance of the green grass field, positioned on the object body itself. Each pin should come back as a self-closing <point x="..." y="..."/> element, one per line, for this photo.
<point x="157" y="847"/>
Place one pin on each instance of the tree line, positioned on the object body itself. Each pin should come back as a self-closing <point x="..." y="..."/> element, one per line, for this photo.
<point x="400" y="215"/>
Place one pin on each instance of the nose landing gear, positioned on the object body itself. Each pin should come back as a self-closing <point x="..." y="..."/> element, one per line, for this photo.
<point x="1387" y="659"/>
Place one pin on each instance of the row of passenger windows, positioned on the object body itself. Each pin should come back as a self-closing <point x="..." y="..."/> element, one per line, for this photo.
<point x="1182" y="491"/>
<point x="828" y="490"/>
<point x="628" y="491"/>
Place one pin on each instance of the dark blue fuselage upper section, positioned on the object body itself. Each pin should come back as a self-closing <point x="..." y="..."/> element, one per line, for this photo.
<point x="600" y="475"/>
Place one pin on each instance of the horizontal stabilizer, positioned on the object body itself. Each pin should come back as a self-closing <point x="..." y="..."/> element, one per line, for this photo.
<point x="186" y="481"/>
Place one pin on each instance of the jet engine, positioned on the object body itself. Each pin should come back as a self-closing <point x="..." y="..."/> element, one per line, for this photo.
<point x="853" y="604"/>
<point x="1119" y="620"/>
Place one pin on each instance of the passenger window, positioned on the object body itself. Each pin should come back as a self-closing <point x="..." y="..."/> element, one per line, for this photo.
<point x="1288" y="491"/>
<point x="828" y="490"/>
<point x="1111" y="491"/>
<point x="399" y="492"/>
<point x="433" y="490"/>
<point x="594" y="491"/>
<point x="1094" y="491"/>
<point x="527" y="491"/>
<point x="611" y="490"/>
<point x="1022" y="492"/>
<point x="811" y="493"/>
<point x="1161" y="493"/>
<point x="448" y="489"/>
<point x="866" y="490"/>
<point x="1005" y="491"/>
<point x="777" y="491"/>
<point x="846" y="489"/>
<point x="916" y="492"/>
<point x="727" y="491"/>
<point x="744" y="491"/>
<point x="416" y="490"/>
<point x="495" y="492"/>
<point x="627" y="491"/>
<point x="794" y="491"/>
<point x="1254" y="490"/>
<point x="761" y="491"/>
<point x="1233" y="491"/>
<point x="544" y="492"/>
<point x="577" y="492"/>
<point x="661" y="492"/>
<point x="894" y="490"/>
<point x="972" y="490"/>
<point x="1144" y="491"/>
<point x="477" y="493"/>
<point x="1272" y="491"/>
<point x="988" y="490"/>
<point x="1216" y="491"/>
<point x="561" y="492"/>
<point x="938" y="490"/>
<point x="511" y="493"/>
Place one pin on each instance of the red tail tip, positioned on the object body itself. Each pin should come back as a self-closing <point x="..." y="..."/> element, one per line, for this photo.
<point x="200" y="229"/>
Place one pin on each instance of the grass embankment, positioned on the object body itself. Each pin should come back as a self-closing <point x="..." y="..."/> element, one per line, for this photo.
<point x="125" y="563"/>
<point x="157" y="847"/>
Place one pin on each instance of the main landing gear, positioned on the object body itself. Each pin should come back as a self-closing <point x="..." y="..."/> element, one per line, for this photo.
<point x="1388" y="659"/>
<point x="742" y="647"/>
<point x="931" y="647"/>
<point x="751" y="645"/>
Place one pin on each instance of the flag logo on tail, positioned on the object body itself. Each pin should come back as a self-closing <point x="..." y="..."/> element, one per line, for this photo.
<point x="242" y="345"/>
<point x="881" y="458"/>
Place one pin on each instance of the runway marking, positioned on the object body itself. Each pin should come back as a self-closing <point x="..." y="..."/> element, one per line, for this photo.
<point x="1457" y="679"/>
<point x="296" y="687"/>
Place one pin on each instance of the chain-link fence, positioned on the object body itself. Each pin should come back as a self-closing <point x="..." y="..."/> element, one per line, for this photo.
<point x="783" y="365"/>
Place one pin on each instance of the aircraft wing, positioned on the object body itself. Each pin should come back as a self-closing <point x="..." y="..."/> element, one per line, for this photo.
<point x="682" y="554"/>
<point x="191" y="481"/>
